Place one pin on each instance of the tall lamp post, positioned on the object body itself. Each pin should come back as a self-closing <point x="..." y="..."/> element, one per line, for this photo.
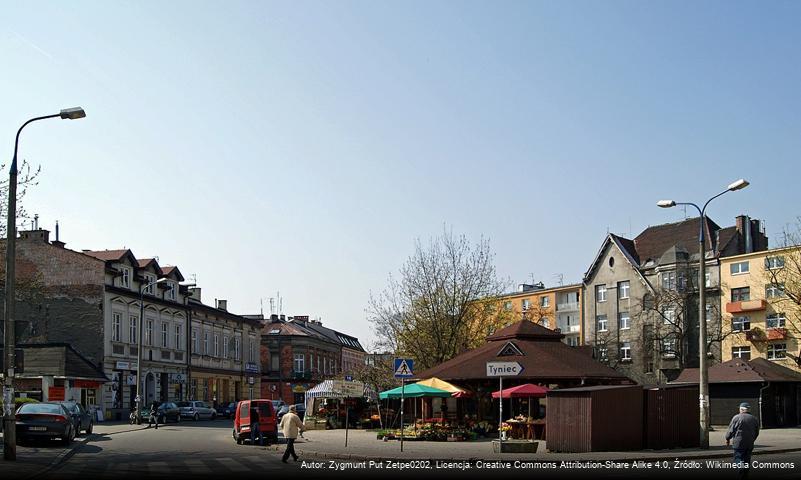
<point x="10" y="341"/>
<point x="703" y="388"/>
<point x="139" y="389"/>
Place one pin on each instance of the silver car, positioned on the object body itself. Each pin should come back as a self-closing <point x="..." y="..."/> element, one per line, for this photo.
<point x="197" y="410"/>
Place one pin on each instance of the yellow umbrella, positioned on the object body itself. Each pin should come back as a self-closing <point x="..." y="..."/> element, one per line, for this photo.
<point x="435" y="382"/>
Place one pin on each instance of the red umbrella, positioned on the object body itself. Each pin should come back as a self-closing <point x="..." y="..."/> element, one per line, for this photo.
<point x="527" y="390"/>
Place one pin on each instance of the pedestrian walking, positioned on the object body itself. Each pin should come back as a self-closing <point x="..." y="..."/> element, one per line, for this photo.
<point x="154" y="415"/>
<point x="255" y="431"/>
<point x="290" y="426"/>
<point x="743" y="431"/>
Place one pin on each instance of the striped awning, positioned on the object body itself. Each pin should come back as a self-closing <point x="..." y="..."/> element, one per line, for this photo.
<point x="324" y="390"/>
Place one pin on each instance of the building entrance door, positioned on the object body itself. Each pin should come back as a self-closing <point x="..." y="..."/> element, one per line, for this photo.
<point x="150" y="388"/>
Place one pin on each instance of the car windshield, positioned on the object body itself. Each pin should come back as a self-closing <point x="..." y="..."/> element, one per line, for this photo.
<point x="183" y="404"/>
<point x="47" y="408"/>
<point x="71" y="407"/>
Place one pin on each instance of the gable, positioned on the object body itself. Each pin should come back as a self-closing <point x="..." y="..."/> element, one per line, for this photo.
<point x="510" y="350"/>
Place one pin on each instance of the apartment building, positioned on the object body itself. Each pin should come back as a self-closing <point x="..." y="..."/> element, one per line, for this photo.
<point x="554" y="308"/>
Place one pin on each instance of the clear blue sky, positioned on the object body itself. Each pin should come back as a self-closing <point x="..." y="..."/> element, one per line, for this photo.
<point x="303" y="146"/>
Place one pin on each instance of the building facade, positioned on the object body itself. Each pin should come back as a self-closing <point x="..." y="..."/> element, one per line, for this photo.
<point x="641" y="296"/>
<point x="224" y="365"/>
<point x="760" y="315"/>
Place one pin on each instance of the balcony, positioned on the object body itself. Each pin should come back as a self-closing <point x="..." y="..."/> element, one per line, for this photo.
<point x="746" y="306"/>
<point x="567" y="329"/>
<point x="567" y="307"/>
<point x="776" y="333"/>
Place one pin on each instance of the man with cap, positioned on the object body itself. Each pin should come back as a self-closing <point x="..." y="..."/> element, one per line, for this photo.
<point x="743" y="431"/>
<point x="290" y="426"/>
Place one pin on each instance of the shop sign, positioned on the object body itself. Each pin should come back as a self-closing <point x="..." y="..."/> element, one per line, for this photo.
<point x="348" y="389"/>
<point x="56" y="394"/>
<point x="251" y="367"/>
<point x="178" y="378"/>
<point x="251" y="380"/>
<point x="85" y="384"/>
<point x="298" y="388"/>
<point x="131" y="380"/>
<point x="125" y="366"/>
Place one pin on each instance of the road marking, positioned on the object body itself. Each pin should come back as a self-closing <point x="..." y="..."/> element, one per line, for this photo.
<point x="196" y="466"/>
<point x="233" y="465"/>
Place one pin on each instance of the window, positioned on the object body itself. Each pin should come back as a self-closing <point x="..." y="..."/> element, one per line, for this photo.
<point x="149" y="332"/>
<point x="275" y="362"/>
<point x="603" y="353"/>
<point x="669" y="347"/>
<point x="150" y="282"/>
<point x="205" y="343"/>
<point x="602" y="323"/>
<point x="225" y="346"/>
<point x="740" y="294"/>
<point x="116" y="327"/>
<point x="774" y="262"/>
<point x="669" y="280"/>
<point x="170" y="293"/>
<point x="125" y="279"/>
<point x="707" y="279"/>
<point x="625" y="351"/>
<point x="195" y="342"/>
<point x="545" y="301"/>
<point x="741" y="324"/>
<point x="179" y="340"/>
<point x="623" y="290"/>
<point x="165" y="334"/>
<point x="774" y="290"/>
<point x="775" y="320"/>
<point x="299" y="363"/>
<point x="507" y="306"/>
<point x="572" y="341"/>
<point x="600" y="293"/>
<point x="669" y="316"/>
<point x="251" y="349"/>
<point x="710" y="313"/>
<point x="526" y="304"/>
<point x="216" y="345"/>
<point x="741" y="352"/>
<point x="777" y="351"/>
<point x="739" y="268"/>
<point x="133" y="336"/>
<point x="623" y="320"/>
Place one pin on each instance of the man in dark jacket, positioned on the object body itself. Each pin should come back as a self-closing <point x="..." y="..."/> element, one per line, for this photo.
<point x="154" y="414"/>
<point x="743" y="431"/>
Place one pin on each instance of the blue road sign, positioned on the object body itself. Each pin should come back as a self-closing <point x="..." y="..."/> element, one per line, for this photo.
<point x="348" y="378"/>
<point x="404" y="368"/>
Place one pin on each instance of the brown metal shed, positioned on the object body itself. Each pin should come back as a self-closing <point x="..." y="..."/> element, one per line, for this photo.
<point x="595" y="419"/>
<point x="671" y="417"/>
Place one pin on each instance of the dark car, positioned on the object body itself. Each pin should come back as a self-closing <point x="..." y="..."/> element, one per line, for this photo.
<point x="277" y="404"/>
<point x="226" y="410"/>
<point x="300" y="409"/>
<point x="45" y="420"/>
<point x="167" y="412"/>
<point x="81" y="418"/>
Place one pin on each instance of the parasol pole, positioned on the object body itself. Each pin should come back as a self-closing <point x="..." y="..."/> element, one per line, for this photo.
<point x="403" y="390"/>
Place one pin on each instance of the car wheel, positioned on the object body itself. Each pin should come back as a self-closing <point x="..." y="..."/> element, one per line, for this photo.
<point x="214" y="416"/>
<point x="78" y="429"/>
<point x="196" y="417"/>
<point x="68" y="436"/>
<point x="91" y="427"/>
<point x="178" y="419"/>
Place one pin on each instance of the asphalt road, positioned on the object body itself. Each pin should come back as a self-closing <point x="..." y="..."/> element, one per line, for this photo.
<point x="196" y="449"/>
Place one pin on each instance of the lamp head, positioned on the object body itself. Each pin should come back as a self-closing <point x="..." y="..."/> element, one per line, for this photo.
<point x="666" y="203"/>
<point x="161" y="280"/>
<point x="73" y="113"/>
<point x="738" y="185"/>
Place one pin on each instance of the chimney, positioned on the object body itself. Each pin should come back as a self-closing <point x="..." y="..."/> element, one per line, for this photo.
<point x="282" y="317"/>
<point x="57" y="242"/>
<point x="222" y="304"/>
<point x="194" y="292"/>
<point x="35" y="235"/>
<point x="273" y="317"/>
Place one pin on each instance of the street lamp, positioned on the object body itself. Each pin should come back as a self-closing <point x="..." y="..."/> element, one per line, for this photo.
<point x="10" y="341"/>
<point x="139" y="388"/>
<point x="702" y="361"/>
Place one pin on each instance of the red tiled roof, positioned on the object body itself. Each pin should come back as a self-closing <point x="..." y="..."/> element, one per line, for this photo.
<point x="544" y="357"/>
<point x="144" y="262"/>
<point x="107" y="255"/>
<point x="742" y="371"/>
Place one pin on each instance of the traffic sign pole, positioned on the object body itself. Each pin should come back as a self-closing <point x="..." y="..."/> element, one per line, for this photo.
<point x="403" y="389"/>
<point x="500" y="418"/>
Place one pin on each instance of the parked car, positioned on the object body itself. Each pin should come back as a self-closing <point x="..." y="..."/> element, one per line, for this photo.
<point x="197" y="410"/>
<point x="299" y="408"/>
<point x="81" y="418"/>
<point x="268" y="421"/>
<point x="277" y="404"/>
<point x="45" y="420"/>
<point x="226" y="410"/>
<point x="167" y="412"/>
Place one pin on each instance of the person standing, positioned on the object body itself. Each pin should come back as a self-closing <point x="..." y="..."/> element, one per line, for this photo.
<point x="290" y="426"/>
<point x="743" y="431"/>
<point x="255" y="431"/>
<point x="154" y="415"/>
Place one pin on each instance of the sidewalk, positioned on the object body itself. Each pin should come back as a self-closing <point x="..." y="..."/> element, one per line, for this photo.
<point x="363" y="445"/>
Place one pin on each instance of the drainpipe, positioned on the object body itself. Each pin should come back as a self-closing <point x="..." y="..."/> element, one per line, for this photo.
<point x="760" y="403"/>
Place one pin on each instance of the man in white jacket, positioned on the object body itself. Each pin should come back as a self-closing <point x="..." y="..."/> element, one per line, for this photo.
<point x="290" y="426"/>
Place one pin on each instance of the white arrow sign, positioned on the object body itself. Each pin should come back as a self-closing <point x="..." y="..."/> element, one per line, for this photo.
<point x="504" y="369"/>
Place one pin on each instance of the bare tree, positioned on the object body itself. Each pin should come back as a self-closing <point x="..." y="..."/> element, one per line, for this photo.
<point x="783" y="279"/>
<point x="441" y="303"/>
<point x="26" y="178"/>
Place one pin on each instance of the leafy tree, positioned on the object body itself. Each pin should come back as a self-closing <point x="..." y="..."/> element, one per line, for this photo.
<point x="438" y="307"/>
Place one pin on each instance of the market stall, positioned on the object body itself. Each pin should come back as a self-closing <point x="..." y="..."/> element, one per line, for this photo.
<point x="524" y="427"/>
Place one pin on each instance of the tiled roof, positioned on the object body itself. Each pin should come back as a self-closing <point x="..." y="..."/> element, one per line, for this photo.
<point x="654" y="241"/>
<point x="544" y="358"/>
<point x="740" y="371"/>
<point x="107" y="255"/>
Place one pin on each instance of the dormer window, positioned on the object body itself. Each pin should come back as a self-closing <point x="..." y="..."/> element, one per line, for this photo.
<point x="150" y="281"/>
<point x="125" y="279"/>
<point x="170" y="293"/>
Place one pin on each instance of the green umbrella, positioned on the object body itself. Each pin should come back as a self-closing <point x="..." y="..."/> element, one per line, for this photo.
<point x="414" y="390"/>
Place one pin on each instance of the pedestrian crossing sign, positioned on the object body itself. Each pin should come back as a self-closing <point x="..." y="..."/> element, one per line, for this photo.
<point x="404" y="368"/>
